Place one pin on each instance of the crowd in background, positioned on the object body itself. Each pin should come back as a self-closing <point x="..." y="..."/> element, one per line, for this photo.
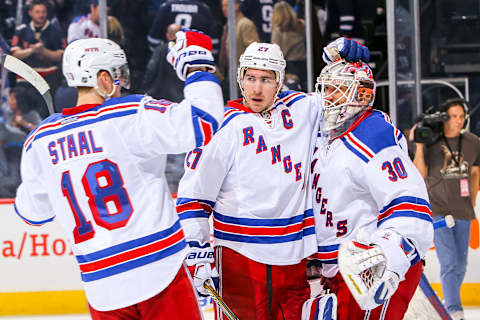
<point x="39" y="33"/>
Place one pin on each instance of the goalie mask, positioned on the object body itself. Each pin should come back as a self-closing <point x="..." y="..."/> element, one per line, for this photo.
<point x="346" y="89"/>
<point x="84" y="58"/>
<point x="263" y="56"/>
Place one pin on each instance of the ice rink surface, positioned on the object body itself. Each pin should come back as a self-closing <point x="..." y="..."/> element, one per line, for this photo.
<point x="471" y="313"/>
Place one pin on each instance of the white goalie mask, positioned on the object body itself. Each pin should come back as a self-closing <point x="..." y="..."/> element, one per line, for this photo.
<point x="84" y="58"/>
<point x="345" y="89"/>
<point x="263" y="56"/>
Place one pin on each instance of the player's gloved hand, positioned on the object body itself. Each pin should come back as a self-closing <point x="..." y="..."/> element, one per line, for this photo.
<point x="385" y="287"/>
<point x="191" y="49"/>
<point x="204" y="272"/>
<point x="373" y="272"/>
<point x="201" y="256"/>
<point x="344" y="48"/>
<point x="363" y="267"/>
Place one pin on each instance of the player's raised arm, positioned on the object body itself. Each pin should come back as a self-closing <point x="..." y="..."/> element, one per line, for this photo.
<point x="191" y="123"/>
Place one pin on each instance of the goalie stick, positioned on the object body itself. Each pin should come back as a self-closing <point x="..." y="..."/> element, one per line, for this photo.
<point x="417" y="308"/>
<point x="23" y="70"/>
<point x="447" y="222"/>
<point x="433" y="298"/>
<point x="220" y="302"/>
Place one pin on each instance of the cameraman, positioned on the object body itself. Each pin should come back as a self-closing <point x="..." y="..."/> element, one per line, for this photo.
<point x="450" y="166"/>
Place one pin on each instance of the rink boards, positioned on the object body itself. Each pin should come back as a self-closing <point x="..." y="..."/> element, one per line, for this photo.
<point x="39" y="274"/>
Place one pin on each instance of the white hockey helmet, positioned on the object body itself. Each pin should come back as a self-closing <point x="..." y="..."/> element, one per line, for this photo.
<point x="345" y="89"/>
<point x="263" y="56"/>
<point x="84" y="58"/>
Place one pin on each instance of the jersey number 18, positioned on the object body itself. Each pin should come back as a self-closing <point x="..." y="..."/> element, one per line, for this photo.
<point x="107" y="198"/>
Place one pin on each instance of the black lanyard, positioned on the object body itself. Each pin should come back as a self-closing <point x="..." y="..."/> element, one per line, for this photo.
<point x="457" y="159"/>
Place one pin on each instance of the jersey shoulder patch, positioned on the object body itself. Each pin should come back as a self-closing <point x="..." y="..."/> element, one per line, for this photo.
<point x="371" y="136"/>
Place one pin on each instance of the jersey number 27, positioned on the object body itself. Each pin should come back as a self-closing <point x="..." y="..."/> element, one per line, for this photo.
<point x="107" y="198"/>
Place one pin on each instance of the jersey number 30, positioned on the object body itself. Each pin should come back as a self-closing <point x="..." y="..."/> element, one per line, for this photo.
<point x="107" y="198"/>
<point x="395" y="170"/>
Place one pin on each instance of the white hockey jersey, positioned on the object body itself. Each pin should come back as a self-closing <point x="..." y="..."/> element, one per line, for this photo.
<point x="253" y="178"/>
<point x="82" y="27"/>
<point x="99" y="170"/>
<point x="364" y="179"/>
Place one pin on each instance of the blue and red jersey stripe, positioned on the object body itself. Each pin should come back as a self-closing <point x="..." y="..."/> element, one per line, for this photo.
<point x="188" y="208"/>
<point x="87" y="118"/>
<point x="263" y="230"/>
<point x="204" y="126"/>
<point x="327" y="254"/>
<point x="406" y="207"/>
<point x="358" y="147"/>
<point x="131" y="254"/>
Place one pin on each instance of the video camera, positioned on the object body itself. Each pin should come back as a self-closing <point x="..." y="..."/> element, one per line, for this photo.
<point x="430" y="126"/>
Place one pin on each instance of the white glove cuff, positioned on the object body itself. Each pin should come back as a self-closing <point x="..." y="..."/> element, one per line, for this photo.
<point x="396" y="260"/>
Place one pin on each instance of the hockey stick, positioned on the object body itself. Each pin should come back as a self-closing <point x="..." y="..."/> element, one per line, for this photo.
<point x="23" y="70"/>
<point x="433" y="299"/>
<point x="447" y="222"/>
<point x="220" y="302"/>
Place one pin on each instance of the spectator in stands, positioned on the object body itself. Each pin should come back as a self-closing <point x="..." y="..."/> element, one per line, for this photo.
<point x="289" y="33"/>
<point x="450" y="167"/>
<point x="40" y="44"/>
<point x="246" y="33"/>
<point x="23" y="117"/>
<point x="190" y="14"/>
<point x="85" y="26"/>
<point x="19" y="120"/>
<point x="4" y="87"/>
<point x="260" y="12"/>
<point x="115" y="31"/>
<point x="88" y="26"/>
<point x="7" y="19"/>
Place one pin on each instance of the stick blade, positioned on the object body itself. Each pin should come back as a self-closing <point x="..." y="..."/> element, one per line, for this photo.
<point x="23" y="70"/>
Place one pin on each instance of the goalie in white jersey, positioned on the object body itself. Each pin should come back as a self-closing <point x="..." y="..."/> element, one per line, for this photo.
<point x="373" y="218"/>
<point x="98" y="167"/>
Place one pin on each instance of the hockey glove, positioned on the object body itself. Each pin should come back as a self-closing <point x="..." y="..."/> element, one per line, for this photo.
<point x="345" y="48"/>
<point x="363" y="268"/>
<point x="201" y="256"/>
<point x="191" y="49"/>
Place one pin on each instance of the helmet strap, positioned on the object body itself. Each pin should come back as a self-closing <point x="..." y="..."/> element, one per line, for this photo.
<point x="104" y="94"/>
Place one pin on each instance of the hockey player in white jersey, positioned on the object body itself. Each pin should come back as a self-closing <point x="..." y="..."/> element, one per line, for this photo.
<point x="253" y="178"/>
<point x="98" y="168"/>
<point x="373" y="218"/>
